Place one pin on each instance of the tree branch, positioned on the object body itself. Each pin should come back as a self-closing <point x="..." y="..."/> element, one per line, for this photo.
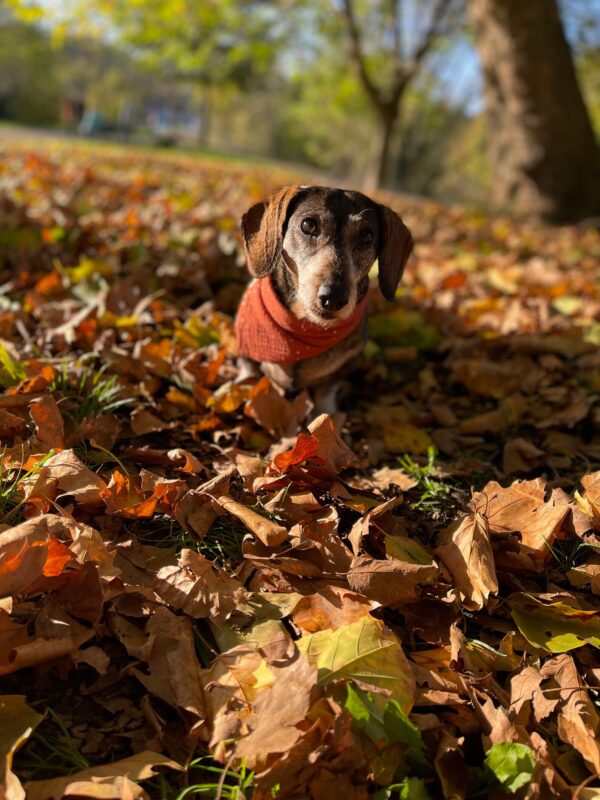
<point x="439" y="24"/>
<point x="358" y="55"/>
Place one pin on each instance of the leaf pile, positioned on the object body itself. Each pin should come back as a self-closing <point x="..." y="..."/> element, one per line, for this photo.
<point x="200" y="586"/>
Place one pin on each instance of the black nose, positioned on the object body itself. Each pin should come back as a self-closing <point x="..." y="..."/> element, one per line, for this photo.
<point x="333" y="297"/>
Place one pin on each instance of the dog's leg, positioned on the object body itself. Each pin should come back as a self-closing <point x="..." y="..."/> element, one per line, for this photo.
<point x="248" y="370"/>
<point x="325" y="398"/>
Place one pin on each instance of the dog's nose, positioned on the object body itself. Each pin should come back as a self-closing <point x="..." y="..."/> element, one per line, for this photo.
<point x="333" y="297"/>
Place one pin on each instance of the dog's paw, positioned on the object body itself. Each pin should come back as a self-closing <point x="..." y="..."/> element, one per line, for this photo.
<point x="248" y="370"/>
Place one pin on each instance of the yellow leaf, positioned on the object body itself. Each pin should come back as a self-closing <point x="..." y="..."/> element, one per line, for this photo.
<point x="407" y="438"/>
<point x="366" y="651"/>
<point x="228" y="397"/>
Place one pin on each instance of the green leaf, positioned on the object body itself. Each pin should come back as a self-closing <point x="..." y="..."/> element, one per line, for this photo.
<point x="11" y="371"/>
<point x="512" y="763"/>
<point x="403" y="328"/>
<point x="390" y="725"/>
<point x="408" y="789"/>
<point x="554" y="626"/>
<point x="399" y="728"/>
<point x="405" y="549"/>
<point x="366" y="714"/>
<point x="365" y="650"/>
<point x="266" y="627"/>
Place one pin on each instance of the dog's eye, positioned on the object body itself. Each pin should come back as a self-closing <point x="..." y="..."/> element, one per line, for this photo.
<point x="309" y="226"/>
<point x="366" y="237"/>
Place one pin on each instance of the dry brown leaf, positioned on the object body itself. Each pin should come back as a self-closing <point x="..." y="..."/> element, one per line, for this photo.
<point x="124" y="498"/>
<point x="464" y="547"/>
<point x="386" y="476"/>
<point x="109" y="781"/>
<point x="450" y="766"/>
<point x="389" y="581"/>
<point x="174" y="672"/>
<point x="334" y="452"/>
<point x="526" y="689"/>
<point x="273" y="412"/>
<point x="521" y="455"/>
<point x="268" y="532"/>
<point x="378" y="518"/>
<point x="64" y="474"/>
<point x="30" y="553"/>
<point x="50" y="428"/>
<point x="522" y="507"/>
<point x="143" y="421"/>
<point x="278" y="711"/>
<point x="578" y="720"/>
<point x="40" y="650"/>
<point x="330" y="608"/>
<point x="200" y="589"/>
<point x="591" y="484"/>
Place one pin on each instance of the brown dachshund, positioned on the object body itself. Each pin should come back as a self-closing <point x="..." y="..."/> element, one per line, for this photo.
<point x="310" y="249"/>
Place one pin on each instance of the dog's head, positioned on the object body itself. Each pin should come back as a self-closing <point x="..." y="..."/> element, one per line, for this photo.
<point x="326" y="240"/>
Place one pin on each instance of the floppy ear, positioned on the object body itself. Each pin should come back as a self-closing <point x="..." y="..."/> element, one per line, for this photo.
<point x="263" y="229"/>
<point x="396" y="246"/>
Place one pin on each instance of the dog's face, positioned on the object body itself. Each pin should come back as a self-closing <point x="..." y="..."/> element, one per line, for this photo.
<point x="325" y="240"/>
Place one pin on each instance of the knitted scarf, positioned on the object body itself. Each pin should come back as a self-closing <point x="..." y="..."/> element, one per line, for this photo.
<point x="267" y="331"/>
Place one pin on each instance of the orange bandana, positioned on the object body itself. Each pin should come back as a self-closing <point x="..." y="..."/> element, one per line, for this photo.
<point x="267" y="331"/>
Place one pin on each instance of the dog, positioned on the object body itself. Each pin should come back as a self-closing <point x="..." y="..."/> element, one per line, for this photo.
<point x="310" y="250"/>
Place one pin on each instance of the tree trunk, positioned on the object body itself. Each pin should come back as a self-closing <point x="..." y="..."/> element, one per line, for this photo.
<point x="542" y="145"/>
<point x="379" y="167"/>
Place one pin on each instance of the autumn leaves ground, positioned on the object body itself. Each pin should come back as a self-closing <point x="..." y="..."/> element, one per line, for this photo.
<point x="199" y="587"/>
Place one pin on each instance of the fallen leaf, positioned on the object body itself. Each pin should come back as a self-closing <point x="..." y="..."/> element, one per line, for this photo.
<point x="464" y="547"/>
<point x="278" y="712"/>
<point x="195" y="586"/>
<point x="578" y="719"/>
<point x="556" y="626"/>
<point x="522" y="507"/>
<point x="105" y="781"/>
<point x="512" y="763"/>
<point x="273" y="412"/>
<point x="50" y="429"/>
<point x="329" y="609"/>
<point x="365" y="651"/>
<point x="17" y="723"/>
<point x="64" y="474"/>
<point x="389" y="581"/>
<point x="386" y="476"/>
<point x="268" y="532"/>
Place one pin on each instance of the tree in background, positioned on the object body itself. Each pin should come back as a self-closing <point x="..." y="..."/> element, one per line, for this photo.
<point x="274" y="79"/>
<point x="387" y="46"/>
<point x="208" y="44"/>
<point x="29" y="88"/>
<point x="541" y="141"/>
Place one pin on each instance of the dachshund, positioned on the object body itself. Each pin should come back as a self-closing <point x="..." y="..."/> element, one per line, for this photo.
<point x="310" y="250"/>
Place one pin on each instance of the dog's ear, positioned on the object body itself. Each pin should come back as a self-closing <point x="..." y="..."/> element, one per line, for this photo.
<point x="263" y="229"/>
<point x="396" y="246"/>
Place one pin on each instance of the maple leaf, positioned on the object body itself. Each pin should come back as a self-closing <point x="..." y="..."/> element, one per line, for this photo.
<point x="464" y="547"/>
<point x="523" y="507"/>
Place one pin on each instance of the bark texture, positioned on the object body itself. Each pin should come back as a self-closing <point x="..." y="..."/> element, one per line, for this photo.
<point x="543" y="149"/>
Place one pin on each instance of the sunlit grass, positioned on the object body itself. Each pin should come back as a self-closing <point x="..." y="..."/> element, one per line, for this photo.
<point x="50" y="751"/>
<point x="222" y="543"/>
<point x="90" y="393"/>
<point x="227" y="784"/>
<point x="434" y="494"/>
<point x="12" y="499"/>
